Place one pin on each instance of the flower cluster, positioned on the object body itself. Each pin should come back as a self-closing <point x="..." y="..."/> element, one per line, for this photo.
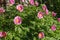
<point x="40" y="15"/>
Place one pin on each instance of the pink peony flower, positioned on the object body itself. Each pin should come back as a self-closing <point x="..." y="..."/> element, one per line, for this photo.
<point x="40" y="15"/>
<point x="23" y="0"/>
<point x="44" y="7"/>
<point x="12" y="2"/>
<point x="36" y="3"/>
<point x="53" y="14"/>
<point x="46" y="11"/>
<point x="17" y="20"/>
<point x="19" y="7"/>
<point x="2" y="10"/>
<point x="53" y="27"/>
<point x="31" y="2"/>
<point x="58" y="19"/>
<point x="2" y="34"/>
<point x="41" y="35"/>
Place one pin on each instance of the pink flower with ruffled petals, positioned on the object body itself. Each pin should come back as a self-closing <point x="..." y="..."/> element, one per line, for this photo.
<point x="44" y="7"/>
<point x="40" y="15"/>
<point x="53" y="14"/>
<point x="58" y="19"/>
<point x="2" y="10"/>
<point x="36" y="3"/>
<point x="53" y="27"/>
<point x="17" y="20"/>
<point x="31" y="2"/>
<point x="12" y="2"/>
<point x="46" y="11"/>
<point x="20" y="7"/>
<point x="2" y="34"/>
<point x="41" y="35"/>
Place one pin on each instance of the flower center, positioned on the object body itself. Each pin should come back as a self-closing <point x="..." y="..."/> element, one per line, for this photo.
<point x="40" y="15"/>
<point x="20" y="8"/>
<point x="40" y="35"/>
<point x="17" y="20"/>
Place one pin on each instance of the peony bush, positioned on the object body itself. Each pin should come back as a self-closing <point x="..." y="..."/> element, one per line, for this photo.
<point x="28" y="20"/>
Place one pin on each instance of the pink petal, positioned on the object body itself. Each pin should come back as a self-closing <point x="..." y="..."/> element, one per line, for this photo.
<point x="36" y="3"/>
<point x="40" y="15"/>
<point x="53" y="14"/>
<point x="12" y="1"/>
<point x="44" y="7"/>
<point x="53" y="27"/>
<point x="23" y="0"/>
<point x="31" y="2"/>
<point x="46" y="11"/>
<point x="2" y="10"/>
<point x="2" y="34"/>
<point x="58" y="19"/>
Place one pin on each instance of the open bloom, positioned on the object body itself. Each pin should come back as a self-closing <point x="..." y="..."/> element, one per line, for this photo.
<point x="31" y="2"/>
<point x="58" y="19"/>
<point x="2" y="10"/>
<point x="2" y="34"/>
<point x="44" y="7"/>
<point x="19" y="7"/>
<point x="53" y="14"/>
<point x="36" y="3"/>
<point x="41" y="35"/>
<point x="12" y="2"/>
<point x="53" y="27"/>
<point x="40" y="15"/>
<point x="17" y="20"/>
